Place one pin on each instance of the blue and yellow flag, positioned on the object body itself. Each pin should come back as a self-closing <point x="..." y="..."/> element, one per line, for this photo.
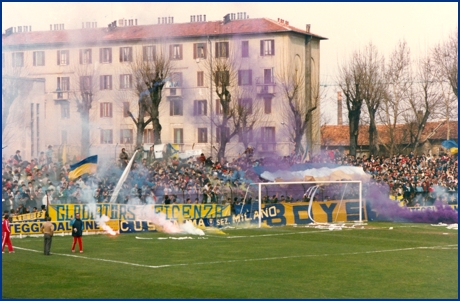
<point x="88" y="165"/>
<point x="450" y="145"/>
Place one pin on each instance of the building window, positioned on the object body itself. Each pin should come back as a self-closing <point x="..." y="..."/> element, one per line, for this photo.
<point x="245" y="135"/>
<point x="221" y="49"/>
<point x="63" y="84"/>
<point x="126" y="54"/>
<point x="106" y="109"/>
<point x="63" y="57"/>
<point x="149" y="53"/>
<point x="39" y="58"/>
<point x="268" y="76"/>
<point x="268" y="138"/>
<point x="175" y="107"/>
<point x="126" y="81"/>
<point x="222" y="78"/>
<point x="105" y="55"/>
<point x="200" y="107"/>
<point x="179" y="136"/>
<point x="125" y="109"/>
<point x="148" y="136"/>
<point x="85" y="56"/>
<point x="106" y="137"/>
<point x="246" y="105"/>
<point x="199" y="51"/>
<point x="244" y="77"/>
<point x="218" y="107"/>
<point x="221" y="133"/>
<point x="18" y="59"/>
<point x="267" y="47"/>
<point x="86" y="83"/>
<point x="175" y="80"/>
<point x="202" y="135"/>
<point x="126" y="136"/>
<point x="200" y="78"/>
<point x="175" y="52"/>
<point x="267" y="105"/>
<point x="65" y="110"/>
<point x="244" y="48"/>
<point x="106" y="82"/>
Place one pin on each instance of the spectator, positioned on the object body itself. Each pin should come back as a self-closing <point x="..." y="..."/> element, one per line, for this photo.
<point x="49" y="155"/>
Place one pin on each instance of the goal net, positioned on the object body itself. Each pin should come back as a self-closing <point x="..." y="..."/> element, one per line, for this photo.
<point x="308" y="202"/>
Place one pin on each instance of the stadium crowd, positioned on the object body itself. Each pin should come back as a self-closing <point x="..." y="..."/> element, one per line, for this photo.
<point x="29" y="186"/>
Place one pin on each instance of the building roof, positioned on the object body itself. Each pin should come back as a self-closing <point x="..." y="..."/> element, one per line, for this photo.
<point x="339" y="135"/>
<point x="151" y="32"/>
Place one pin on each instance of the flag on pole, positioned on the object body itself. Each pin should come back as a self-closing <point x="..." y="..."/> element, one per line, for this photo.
<point x="88" y="165"/>
<point x="450" y="145"/>
<point x="122" y="179"/>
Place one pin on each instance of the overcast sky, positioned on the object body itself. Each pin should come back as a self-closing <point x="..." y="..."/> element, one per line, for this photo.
<point x="348" y="26"/>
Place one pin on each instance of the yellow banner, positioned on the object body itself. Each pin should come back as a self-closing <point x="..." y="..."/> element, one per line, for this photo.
<point x="28" y="217"/>
<point x="33" y="228"/>
<point x="66" y="212"/>
<point x="321" y="212"/>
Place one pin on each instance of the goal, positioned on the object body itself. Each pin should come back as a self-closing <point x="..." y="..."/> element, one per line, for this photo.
<point x="307" y="202"/>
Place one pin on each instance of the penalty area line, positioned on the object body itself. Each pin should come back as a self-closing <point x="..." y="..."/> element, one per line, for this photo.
<point x="446" y="247"/>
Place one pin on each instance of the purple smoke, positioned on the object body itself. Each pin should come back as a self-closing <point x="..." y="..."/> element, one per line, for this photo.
<point x="389" y="210"/>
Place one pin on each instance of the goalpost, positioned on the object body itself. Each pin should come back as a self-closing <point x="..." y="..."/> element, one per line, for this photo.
<point x="310" y="192"/>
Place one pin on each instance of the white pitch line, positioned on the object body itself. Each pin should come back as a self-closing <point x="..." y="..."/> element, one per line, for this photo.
<point x="447" y="247"/>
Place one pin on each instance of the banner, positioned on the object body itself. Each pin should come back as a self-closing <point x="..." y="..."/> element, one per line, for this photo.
<point x="281" y="214"/>
<point x="40" y="215"/>
<point x="33" y="228"/>
<point x="65" y="212"/>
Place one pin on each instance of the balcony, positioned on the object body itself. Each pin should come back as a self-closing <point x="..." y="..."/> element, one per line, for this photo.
<point x="266" y="147"/>
<point x="173" y="92"/>
<point x="265" y="86"/>
<point x="61" y="95"/>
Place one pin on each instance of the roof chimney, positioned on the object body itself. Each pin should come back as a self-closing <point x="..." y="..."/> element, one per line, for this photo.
<point x="339" y="108"/>
<point x="204" y="18"/>
<point x="226" y="18"/>
<point x="308" y="28"/>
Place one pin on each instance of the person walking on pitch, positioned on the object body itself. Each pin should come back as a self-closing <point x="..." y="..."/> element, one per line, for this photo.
<point x="48" y="231"/>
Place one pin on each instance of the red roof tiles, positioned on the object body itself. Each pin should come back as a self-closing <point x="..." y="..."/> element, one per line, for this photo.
<point x="149" y="32"/>
<point x="338" y="135"/>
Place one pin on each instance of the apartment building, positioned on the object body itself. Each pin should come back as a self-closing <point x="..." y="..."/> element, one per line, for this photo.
<point x="262" y="51"/>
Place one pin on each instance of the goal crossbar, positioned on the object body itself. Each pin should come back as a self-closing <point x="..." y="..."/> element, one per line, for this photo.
<point x="311" y="191"/>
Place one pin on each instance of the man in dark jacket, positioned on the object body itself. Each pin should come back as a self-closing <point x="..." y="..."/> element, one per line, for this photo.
<point x="77" y="232"/>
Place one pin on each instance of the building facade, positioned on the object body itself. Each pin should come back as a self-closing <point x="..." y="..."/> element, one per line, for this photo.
<point x="262" y="52"/>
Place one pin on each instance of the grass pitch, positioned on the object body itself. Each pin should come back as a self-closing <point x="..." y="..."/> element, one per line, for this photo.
<point x="372" y="261"/>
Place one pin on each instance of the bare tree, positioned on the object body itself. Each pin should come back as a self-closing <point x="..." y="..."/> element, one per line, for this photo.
<point x="245" y="115"/>
<point x="298" y="112"/>
<point x="223" y="71"/>
<point x="154" y="70"/>
<point x="424" y="99"/>
<point x="399" y="80"/>
<point x="141" y="98"/>
<point x="445" y="56"/>
<point x="374" y="89"/>
<point x="14" y="84"/>
<point x="350" y="78"/>
<point x="87" y="79"/>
